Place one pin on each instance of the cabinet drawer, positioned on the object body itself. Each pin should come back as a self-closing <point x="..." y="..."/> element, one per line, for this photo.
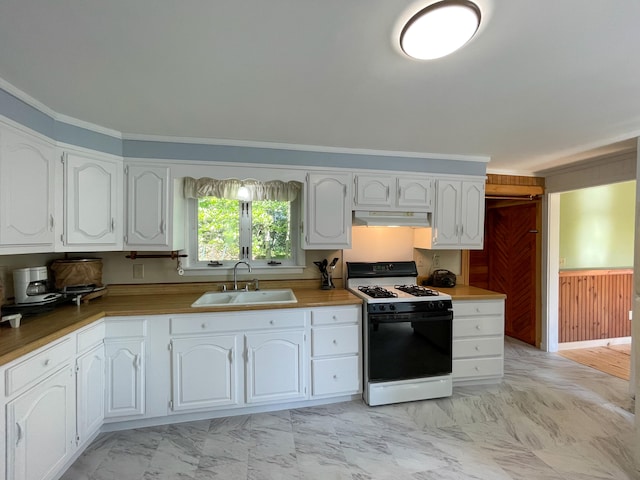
<point x="337" y="340"/>
<point x="473" y="327"/>
<point x="329" y="316"/>
<point x="489" y="307"/>
<point x="37" y="366"/>
<point x="125" y="327"/>
<point x="477" y="347"/>
<point x="477" y="367"/>
<point x="335" y="375"/>
<point x="91" y="336"/>
<point x="237" y="322"/>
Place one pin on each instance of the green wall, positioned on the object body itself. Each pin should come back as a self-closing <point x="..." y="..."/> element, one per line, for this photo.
<point x="597" y="227"/>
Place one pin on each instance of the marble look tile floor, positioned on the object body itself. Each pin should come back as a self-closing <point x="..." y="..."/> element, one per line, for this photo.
<point x="550" y="419"/>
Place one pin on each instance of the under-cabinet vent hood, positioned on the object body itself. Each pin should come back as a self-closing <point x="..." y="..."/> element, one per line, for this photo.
<point x="391" y="219"/>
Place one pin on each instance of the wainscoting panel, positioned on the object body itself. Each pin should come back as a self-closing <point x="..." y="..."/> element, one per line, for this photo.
<point x="595" y="304"/>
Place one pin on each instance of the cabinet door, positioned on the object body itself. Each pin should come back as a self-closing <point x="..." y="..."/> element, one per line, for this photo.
<point x="204" y="372"/>
<point x="415" y="193"/>
<point x="328" y="211"/>
<point x="374" y="191"/>
<point x="41" y="428"/>
<point x="274" y="369"/>
<point x="125" y="378"/>
<point x="26" y="191"/>
<point x="147" y="206"/>
<point x="447" y="215"/>
<point x="90" y="383"/>
<point x="93" y="200"/>
<point x="472" y="215"/>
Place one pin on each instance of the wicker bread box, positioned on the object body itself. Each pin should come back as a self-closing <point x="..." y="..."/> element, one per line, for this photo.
<point x="77" y="272"/>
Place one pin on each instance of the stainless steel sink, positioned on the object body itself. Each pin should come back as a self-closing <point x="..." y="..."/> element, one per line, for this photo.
<point x="257" y="297"/>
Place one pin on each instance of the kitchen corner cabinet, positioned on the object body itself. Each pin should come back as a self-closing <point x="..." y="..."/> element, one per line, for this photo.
<point x="93" y="199"/>
<point x="458" y="220"/>
<point x="90" y="374"/>
<point x="478" y="341"/>
<point x="154" y="209"/>
<point x="384" y="192"/>
<point x="327" y="211"/>
<point x="26" y="192"/>
<point x="125" y="367"/>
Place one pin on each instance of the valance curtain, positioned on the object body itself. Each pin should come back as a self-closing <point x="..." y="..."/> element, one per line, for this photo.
<point x="230" y="189"/>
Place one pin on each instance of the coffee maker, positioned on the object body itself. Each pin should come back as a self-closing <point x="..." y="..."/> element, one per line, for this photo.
<point x="30" y="286"/>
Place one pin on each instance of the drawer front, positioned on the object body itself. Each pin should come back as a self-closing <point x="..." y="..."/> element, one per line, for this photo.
<point x="125" y="327"/>
<point x="473" y="327"/>
<point x="339" y="340"/>
<point x="91" y="337"/>
<point x="237" y="322"/>
<point x="37" y="366"/>
<point x="477" y="367"/>
<point x="478" y="347"/>
<point x="488" y="307"/>
<point x="330" y="315"/>
<point x="336" y="375"/>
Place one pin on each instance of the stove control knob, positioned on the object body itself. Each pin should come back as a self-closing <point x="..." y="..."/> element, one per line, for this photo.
<point x="440" y="305"/>
<point x="382" y="308"/>
<point x="392" y="307"/>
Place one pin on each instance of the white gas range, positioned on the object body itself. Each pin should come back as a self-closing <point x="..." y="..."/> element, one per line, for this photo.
<point x="407" y="333"/>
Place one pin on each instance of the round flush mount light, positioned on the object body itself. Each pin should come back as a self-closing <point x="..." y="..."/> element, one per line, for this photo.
<point x="440" y="29"/>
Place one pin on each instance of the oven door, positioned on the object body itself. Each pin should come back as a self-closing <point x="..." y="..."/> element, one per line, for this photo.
<point x="408" y="346"/>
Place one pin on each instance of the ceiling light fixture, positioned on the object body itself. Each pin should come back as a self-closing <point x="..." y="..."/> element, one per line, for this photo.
<point x="440" y="29"/>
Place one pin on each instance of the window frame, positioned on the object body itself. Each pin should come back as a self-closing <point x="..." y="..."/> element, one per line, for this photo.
<point x="295" y="265"/>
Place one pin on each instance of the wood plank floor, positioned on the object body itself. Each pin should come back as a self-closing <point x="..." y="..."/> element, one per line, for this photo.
<point x="613" y="359"/>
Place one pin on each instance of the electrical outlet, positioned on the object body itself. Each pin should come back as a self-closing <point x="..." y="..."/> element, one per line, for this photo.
<point x="138" y="270"/>
<point x="563" y="261"/>
<point x="630" y="314"/>
<point x="435" y="261"/>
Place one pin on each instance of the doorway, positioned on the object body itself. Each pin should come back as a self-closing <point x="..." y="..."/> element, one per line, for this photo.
<point x="510" y="264"/>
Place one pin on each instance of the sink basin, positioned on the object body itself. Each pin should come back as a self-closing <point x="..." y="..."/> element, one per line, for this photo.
<point x="257" y="297"/>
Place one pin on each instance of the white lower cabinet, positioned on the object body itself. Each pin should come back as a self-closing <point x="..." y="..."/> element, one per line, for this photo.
<point x="335" y="351"/>
<point x="204" y="371"/>
<point x="90" y="374"/>
<point x="478" y="341"/>
<point x="125" y="367"/>
<point x="41" y="428"/>
<point x="275" y="370"/>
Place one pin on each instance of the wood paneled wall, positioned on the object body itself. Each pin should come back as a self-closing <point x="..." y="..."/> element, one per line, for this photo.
<point x="595" y="304"/>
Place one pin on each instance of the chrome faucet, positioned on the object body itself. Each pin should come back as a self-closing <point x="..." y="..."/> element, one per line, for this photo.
<point x="235" y="273"/>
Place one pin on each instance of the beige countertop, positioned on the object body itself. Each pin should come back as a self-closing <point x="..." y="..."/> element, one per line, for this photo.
<point x="37" y="331"/>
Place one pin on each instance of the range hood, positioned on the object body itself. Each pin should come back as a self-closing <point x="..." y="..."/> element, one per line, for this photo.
<point x="391" y="219"/>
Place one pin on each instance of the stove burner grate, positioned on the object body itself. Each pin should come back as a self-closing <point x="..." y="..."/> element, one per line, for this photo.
<point x="375" y="291"/>
<point x="416" y="290"/>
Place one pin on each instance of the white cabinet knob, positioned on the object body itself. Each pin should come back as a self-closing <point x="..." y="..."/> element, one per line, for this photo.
<point x="271" y="322"/>
<point x="335" y="342"/>
<point x="47" y="362"/>
<point x="204" y="325"/>
<point x="335" y="377"/>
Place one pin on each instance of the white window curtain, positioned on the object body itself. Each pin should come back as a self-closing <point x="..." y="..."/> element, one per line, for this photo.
<point x="247" y="190"/>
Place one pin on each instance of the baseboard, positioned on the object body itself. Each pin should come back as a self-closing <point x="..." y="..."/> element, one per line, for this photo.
<point x="602" y="342"/>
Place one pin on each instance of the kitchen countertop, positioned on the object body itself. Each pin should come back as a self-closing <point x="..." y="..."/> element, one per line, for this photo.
<point x="467" y="292"/>
<point x="37" y="331"/>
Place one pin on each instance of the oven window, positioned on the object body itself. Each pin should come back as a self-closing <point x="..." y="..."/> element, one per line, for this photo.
<point x="408" y="349"/>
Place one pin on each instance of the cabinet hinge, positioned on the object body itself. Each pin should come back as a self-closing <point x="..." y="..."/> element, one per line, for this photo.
<point x="62" y="238"/>
<point x="304" y="337"/>
<point x="171" y="404"/>
<point x="126" y="169"/>
<point x="62" y="158"/>
<point x="170" y="347"/>
<point x="77" y="368"/>
<point x="77" y="439"/>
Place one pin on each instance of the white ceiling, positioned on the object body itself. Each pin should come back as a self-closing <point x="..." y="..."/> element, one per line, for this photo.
<point x="541" y="81"/>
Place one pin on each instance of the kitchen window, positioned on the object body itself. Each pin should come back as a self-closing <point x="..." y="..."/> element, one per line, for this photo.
<point x="233" y="220"/>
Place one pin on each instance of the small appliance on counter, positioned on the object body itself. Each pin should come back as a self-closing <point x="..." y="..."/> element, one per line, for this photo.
<point x="30" y="286"/>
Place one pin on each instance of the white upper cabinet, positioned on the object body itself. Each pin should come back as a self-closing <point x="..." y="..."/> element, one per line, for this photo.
<point x="458" y="221"/>
<point x="26" y="192"/>
<point x="93" y="198"/>
<point x="390" y="192"/>
<point x="154" y="215"/>
<point x="327" y="222"/>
